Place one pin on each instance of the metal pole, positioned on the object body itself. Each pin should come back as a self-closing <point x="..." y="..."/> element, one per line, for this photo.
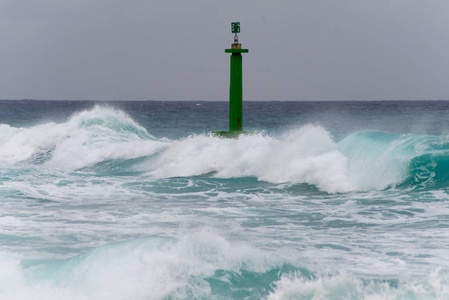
<point x="236" y="85"/>
<point x="235" y="88"/>
<point x="235" y="93"/>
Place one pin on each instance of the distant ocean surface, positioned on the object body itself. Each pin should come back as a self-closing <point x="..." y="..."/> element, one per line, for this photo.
<point x="137" y="200"/>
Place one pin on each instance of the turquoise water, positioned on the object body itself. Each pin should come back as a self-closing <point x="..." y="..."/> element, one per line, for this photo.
<point x="137" y="200"/>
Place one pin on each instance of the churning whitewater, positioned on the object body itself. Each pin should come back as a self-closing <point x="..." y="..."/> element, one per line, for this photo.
<point x="138" y="200"/>
<point x="362" y="161"/>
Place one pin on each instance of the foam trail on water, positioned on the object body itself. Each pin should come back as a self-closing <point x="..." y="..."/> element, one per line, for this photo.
<point x="343" y="286"/>
<point x="199" y="265"/>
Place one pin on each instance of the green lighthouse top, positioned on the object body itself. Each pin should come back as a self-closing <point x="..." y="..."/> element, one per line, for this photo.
<point x="236" y="47"/>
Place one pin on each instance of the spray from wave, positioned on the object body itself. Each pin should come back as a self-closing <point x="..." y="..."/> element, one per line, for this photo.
<point x="200" y="265"/>
<point x="88" y="138"/>
<point x="194" y="267"/>
<point x="343" y="286"/>
<point x="104" y="138"/>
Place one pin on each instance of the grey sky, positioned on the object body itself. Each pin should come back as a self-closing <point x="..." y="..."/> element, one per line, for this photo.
<point x="174" y="50"/>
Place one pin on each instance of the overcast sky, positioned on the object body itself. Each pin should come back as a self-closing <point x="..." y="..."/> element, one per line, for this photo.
<point x="174" y="50"/>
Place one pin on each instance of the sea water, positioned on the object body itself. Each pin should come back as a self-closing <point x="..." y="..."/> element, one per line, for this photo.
<point x="138" y="200"/>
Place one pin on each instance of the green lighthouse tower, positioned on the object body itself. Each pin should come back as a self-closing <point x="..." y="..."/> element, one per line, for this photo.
<point x="235" y="87"/>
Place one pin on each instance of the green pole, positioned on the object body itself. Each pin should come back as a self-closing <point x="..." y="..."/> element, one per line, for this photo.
<point x="236" y="85"/>
<point x="235" y="88"/>
<point x="235" y="93"/>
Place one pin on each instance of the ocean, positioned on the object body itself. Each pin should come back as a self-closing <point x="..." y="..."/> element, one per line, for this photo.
<point x="138" y="200"/>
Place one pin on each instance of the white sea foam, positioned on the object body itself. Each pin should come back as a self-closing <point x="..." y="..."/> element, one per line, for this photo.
<point x="85" y="229"/>
<point x="305" y="155"/>
<point x="100" y="135"/>
<point x="88" y="138"/>
<point x="345" y="286"/>
<point x="153" y="268"/>
<point x="161" y="268"/>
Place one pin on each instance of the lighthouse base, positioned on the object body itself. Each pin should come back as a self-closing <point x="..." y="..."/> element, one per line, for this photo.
<point x="231" y="134"/>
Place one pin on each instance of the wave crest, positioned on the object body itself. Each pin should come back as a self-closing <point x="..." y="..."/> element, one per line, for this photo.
<point x="379" y="160"/>
<point x="88" y="138"/>
<point x="105" y="140"/>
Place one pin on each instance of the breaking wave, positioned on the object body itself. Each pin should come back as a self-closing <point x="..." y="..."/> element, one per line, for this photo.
<point x="108" y="141"/>
<point x="200" y="265"/>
